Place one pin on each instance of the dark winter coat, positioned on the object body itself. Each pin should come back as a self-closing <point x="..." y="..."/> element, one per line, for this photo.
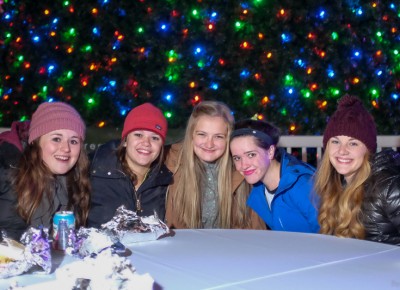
<point x="381" y="207"/>
<point x="10" y="221"/>
<point x="112" y="188"/>
<point x="11" y="146"/>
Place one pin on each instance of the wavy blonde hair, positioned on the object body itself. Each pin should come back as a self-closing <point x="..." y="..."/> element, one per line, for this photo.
<point x="187" y="204"/>
<point x="340" y="204"/>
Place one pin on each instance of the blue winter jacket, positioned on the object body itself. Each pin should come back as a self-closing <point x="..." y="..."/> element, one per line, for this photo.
<point x="293" y="207"/>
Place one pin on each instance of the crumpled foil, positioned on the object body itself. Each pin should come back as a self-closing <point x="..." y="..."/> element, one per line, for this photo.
<point x="104" y="271"/>
<point x="37" y="252"/>
<point x="91" y="241"/>
<point x="131" y="228"/>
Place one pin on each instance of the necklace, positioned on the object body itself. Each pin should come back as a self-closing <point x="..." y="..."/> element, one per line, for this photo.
<point x="138" y="204"/>
<point x="138" y="196"/>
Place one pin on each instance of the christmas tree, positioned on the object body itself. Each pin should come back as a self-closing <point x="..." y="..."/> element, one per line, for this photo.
<point x="287" y="62"/>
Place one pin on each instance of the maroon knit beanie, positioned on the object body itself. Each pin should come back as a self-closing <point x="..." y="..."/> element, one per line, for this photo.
<point x="146" y="117"/>
<point x="55" y="116"/>
<point x="353" y="120"/>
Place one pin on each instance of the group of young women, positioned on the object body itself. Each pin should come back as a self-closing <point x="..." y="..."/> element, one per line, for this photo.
<point x="221" y="175"/>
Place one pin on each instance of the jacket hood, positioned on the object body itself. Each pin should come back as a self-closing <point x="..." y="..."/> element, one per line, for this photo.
<point x="294" y="169"/>
<point x="18" y="135"/>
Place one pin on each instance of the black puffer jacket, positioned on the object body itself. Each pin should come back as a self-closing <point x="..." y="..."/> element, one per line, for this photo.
<point x="381" y="208"/>
<point x="112" y="188"/>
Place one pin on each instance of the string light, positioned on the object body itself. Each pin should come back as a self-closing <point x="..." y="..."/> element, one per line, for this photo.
<point x="265" y="100"/>
<point x="311" y="62"/>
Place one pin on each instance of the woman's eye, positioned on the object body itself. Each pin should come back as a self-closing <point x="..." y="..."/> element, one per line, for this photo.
<point x="74" y="142"/>
<point x="251" y="155"/>
<point x="235" y="158"/>
<point x="138" y="135"/>
<point x="56" y="139"/>
<point x="155" y="138"/>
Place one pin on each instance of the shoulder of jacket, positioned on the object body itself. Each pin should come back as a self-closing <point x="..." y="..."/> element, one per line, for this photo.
<point x="9" y="155"/>
<point x="296" y="166"/>
<point x="164" y="171"/>
<point x="105" y="161"/>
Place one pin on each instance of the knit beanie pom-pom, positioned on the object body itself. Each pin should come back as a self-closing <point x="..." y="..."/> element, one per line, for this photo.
<point x="348" y="101"/>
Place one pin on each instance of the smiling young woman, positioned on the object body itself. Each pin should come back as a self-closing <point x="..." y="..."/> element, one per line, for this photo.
<point x="130" y="171"/>
<point x="359" y="189"/>
<point x="207" y="192"/>
<point x="282" y="185"/>
<point x="43" y="171"/>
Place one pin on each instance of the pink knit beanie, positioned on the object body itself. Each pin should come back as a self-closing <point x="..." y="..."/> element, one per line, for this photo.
<point x="55" y="116"/>
<point x="353" y="120"/>
<point x="146" y="117"/>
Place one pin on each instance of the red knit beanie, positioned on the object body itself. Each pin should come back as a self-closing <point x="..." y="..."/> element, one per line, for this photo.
<point x="55" y="116"/>
<point x="353" y="120"/>
<point x="146" y="117"/>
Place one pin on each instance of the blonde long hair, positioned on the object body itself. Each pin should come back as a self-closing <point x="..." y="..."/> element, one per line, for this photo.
<point x="187" y="204"/>
<point x="340" y="204"/>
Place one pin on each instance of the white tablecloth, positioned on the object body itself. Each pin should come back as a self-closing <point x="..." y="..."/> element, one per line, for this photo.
<point x="244" y="259"/>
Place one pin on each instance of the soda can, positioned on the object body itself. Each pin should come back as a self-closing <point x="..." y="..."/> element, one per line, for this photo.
<point x="68" y="216"/>
<point x="61" y="241"/>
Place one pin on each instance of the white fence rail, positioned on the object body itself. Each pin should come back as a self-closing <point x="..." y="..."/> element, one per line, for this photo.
<point x="304" y="146"/>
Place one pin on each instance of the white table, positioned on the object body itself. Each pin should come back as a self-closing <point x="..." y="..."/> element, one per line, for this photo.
<point x="244" y="259"/>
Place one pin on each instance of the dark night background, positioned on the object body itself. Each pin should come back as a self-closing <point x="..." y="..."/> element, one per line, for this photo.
<point x="287" y="62"/>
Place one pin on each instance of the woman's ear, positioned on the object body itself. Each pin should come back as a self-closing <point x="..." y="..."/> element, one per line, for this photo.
<point x="271" y="152"/>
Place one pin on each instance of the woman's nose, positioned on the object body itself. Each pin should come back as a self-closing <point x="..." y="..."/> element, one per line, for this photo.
<point x="210" y="142"/>
<point x="244" y="164"/>
<point x="343" y="149"/>
<point x="64" y="146"/>
<point x="146" y="141"/>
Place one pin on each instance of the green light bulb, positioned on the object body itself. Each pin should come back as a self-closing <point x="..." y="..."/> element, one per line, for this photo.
<point x="72" y="32"/>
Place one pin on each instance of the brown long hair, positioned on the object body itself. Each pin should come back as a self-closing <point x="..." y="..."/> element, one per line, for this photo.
<point x="340" y="204"/>
<point x="33" y="180"/>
